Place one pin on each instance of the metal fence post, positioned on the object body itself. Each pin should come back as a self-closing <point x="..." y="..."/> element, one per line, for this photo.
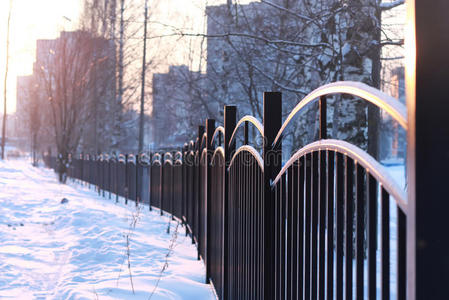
<point x="172" y="208"/>
<point x="272" y="159"/>
<point x="88" y="170"/>
<point x="98" y="169"/>
<point x="117" y="159"/>
<point x="161" y="184"/>
<point x="427" y="149"/>
<point x="109" y="176"/>
<point x="210" y="128"/>
<point x="150" y="169"/>
<point x="103" y="175"/>
<point x="323" y="118"/>
<point x="198" y="189"/>
<point x="245" y="133"/>
<point x="138" y="188"/>
<point x="126" y="179"/>
<point x="183" y="185"/>
<point x="230" y="113"/>
<point x="82" y="168"/>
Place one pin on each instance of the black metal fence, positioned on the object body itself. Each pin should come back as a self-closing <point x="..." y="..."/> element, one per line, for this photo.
<point x="318" y="227"/>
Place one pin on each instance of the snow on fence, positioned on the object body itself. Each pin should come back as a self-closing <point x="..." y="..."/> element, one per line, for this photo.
<point x="308" y="229"/>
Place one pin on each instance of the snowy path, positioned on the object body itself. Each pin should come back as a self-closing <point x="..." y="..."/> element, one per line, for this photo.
<point x="78" y="250"/>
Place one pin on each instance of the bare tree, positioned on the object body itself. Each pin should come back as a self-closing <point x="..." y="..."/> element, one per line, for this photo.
<point x="5" y="81"/>
<point x="294" y="47"/>
<point x="34" y="113"/>
<point x="131" y="95"/>
<point x="66" y="73"/>
<point x="142" y="94"/>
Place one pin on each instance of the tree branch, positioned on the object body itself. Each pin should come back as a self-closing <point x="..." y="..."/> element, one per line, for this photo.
<point x="237" y="34"/>
<point x="306" y="18"/>
<point x="390" y="5"/>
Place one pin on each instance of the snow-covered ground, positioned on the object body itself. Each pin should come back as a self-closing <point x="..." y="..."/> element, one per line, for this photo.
<point x="78" y="250"/>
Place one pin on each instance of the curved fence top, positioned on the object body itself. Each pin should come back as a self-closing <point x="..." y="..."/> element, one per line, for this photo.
<point x="203" y="139"/>
<point x="144" y="159"/>
<point x="218" y="150"/>
<point x="121" y="158"/>
<point x="391" y="105"/>
<point x="250" y="119"/>
<point x="131" y="158"/>
<point x="253" y="152"/>
<point x="156" y="157"/>
<point x="218" y="130"/>
<point x="358" y="155"/>
<point x="178" y="155"/>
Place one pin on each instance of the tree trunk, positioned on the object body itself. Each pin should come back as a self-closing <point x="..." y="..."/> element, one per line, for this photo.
<point x="5" y="82"/>
<point x="142" y="94"/>
<point x="373" y="111"/>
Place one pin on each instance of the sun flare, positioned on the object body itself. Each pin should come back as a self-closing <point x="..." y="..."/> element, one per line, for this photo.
<point x="30" y="20"/>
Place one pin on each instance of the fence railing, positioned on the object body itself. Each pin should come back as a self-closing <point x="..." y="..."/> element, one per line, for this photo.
<point x="321" y="226"/>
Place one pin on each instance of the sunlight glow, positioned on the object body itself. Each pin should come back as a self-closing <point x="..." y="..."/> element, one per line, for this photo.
<point x="30" y="20"/>
<point x="410" y="57"/>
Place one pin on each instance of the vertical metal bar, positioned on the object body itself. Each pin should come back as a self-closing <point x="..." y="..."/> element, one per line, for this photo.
<point x="360" y="230"/>
<point x="323" y="117"/>
<point x="82" y="166"/>
<point x="104" y="167"/>
<point x="191" y="185"/>
<point x="301" y="202"/>
<point x="307" y="224"/>
<point x="282" y="224"/>
<point x="98" y="164"/>
<point x="314" y="232"/>
<point x="239" y="229"/>
<point x="198" y="216"/>
<point x="428" y="144"/>
<point x="272" y="119"/>
<point x="349" y="200"/>
<point x="150" y="182"/>
<point x="110" y="177"/>
<point x="88" y="170"/>
<point x="330" y="157"/>
<point x="340" y="204"/>
<point x="246" y="222"/>
<point x="294" y="258"/>
<point x="261" y="233"/>
<point x="322" y="224"/>
<point x="402" y="256"/>
<point x="290" y="239"/>
<point x="210" y="128"/>
<point x="116" y="178"/>
<point x="138" y="186"/>
<point x="245" y="133"/>
<point x="385" y="281"/>
<point x="229" y="125"/>
<point x="254" y="236"/>
<point x="276" y="240"/>
<point x="126" y="179"/>
<point x="183" y="184"/>
<point x="236" y="228"/>
<point x="372" y="235"/>
<point x="172" y="187"/>
<point x="162" y="184"/>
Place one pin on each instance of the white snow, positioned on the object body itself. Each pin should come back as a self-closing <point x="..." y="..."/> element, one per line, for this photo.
<point x="77" y="250"/>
